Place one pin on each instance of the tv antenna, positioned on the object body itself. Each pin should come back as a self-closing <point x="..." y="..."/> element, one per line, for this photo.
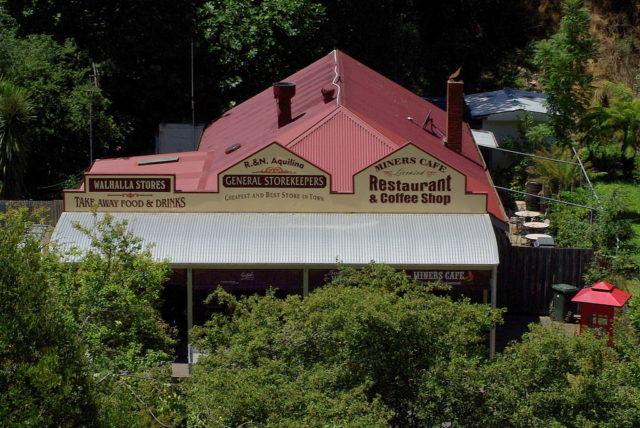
<point x="193" y="102"/>
<point x="426" y="120"/>
<point x="94" y="83"/>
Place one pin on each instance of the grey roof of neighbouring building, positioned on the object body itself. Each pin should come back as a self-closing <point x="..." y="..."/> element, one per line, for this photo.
<point x="505" y="100"/>
<point x="227" y="239"/>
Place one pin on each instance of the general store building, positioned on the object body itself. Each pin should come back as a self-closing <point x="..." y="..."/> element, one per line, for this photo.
<point x="335" y="164"/>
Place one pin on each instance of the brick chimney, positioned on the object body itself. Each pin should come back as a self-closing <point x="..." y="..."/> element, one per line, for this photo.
<point x="283" y="92"/>
<point x="455" y="110"/>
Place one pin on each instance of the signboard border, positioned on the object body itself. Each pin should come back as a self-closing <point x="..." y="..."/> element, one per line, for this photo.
<point x="87" y="175"/>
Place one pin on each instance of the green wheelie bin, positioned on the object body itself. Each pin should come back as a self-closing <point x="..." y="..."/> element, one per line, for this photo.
<point x="562" y="294"/>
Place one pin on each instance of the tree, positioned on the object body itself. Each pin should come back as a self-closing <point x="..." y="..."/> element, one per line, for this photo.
<point x="56" y="78"/>
<point x="111" y="295"/>
<point x="43" y="372"/>
<point x="558" y="176"/>
<point x="113" y="290"/>
<point x="419" y="44"/>
<point x="622" y="120"/>
<point x="613" y="128"/>
<point x="352" y="353"/>
<point x="612" y="236"/>
<point x="255" y="43"/>
<point x="550" y="377"/>
<point x="142" y="50"/>
<point x="83" y="344"/>
<point x="563" y="62"/>
<point x="15" y="114"/>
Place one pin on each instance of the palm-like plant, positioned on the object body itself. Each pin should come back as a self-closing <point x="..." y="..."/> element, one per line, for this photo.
<point x="612" y="125"/>
<point x="623" y="119"/>
<point x="559" y="176"/>
<point x="15" y="113"/>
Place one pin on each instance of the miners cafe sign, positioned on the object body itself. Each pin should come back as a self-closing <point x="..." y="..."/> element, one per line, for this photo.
<point x="274" y="179"/>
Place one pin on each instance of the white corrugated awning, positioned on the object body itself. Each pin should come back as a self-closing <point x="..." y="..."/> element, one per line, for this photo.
<point x="303" y="238"/>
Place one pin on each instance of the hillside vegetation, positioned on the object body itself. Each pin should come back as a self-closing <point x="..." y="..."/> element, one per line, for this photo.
<point x="124" y="67"/>
<point x="616" y="27"/>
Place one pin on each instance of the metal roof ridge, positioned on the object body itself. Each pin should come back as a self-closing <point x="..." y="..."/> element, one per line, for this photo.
<point x="294" y="139"/>
<point x="386" y="132"/>
<point x="204" y="173"/>
<point x="337" y="77"/>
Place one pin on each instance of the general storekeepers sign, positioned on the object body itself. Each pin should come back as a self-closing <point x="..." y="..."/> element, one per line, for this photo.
<point x="276" y="181"/>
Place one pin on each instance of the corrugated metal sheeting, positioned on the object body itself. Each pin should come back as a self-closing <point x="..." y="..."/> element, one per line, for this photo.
<point x="343" y="139"/>
<point x="484" y="138"/>
<point x="487" y="103"/>
<point x="303" y="239"/>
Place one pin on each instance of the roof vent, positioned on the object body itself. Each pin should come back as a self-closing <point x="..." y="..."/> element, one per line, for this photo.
<point x="153" y="161"/>
<point x="283" y="92"/>
<point x="232" y="148"/>
<point x="328" y="93"/>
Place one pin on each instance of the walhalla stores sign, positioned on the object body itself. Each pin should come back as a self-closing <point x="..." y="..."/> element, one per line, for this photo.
<point x="276" y="180"/>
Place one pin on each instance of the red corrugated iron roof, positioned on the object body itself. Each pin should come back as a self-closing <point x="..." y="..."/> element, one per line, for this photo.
<point x="339" y="139"/>
<point x="188" y="170"/>
<point x="387" y="106"/>
<point x="369" y="117"/>
<point x="602" y="293"/>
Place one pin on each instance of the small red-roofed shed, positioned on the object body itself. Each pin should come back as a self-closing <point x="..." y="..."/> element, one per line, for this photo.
<point x="597" y="306"/>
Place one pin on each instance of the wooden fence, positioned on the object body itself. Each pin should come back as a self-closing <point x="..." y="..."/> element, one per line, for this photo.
<point x="52" y="209"/>
<point x="525" y="275"/>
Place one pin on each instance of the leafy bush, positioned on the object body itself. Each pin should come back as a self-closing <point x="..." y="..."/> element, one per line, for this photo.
<point x="606" y="230"/>
<point x="553" y="378"/>
<point x="353" y="353"/>
<point x="43" y="372"/>
<point x="114" y="294"/>
<point x="80" y="344"/>
<point x="112" y="297"/>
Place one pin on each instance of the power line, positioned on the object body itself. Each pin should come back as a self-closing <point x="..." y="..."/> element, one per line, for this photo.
<point x="533" y="156"/>
<point x="93" y="84"/>
<point x="544" y="197"/>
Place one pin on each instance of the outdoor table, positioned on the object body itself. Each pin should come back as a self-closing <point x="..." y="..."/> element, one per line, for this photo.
<point x="535" y="236"/>
<point x="527" y="214"/>
<point x="535" y="225"/>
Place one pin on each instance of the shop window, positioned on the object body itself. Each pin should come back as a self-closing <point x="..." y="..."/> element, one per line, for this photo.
<point x="320" y="277"/>
<point x="174" y="309"/>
